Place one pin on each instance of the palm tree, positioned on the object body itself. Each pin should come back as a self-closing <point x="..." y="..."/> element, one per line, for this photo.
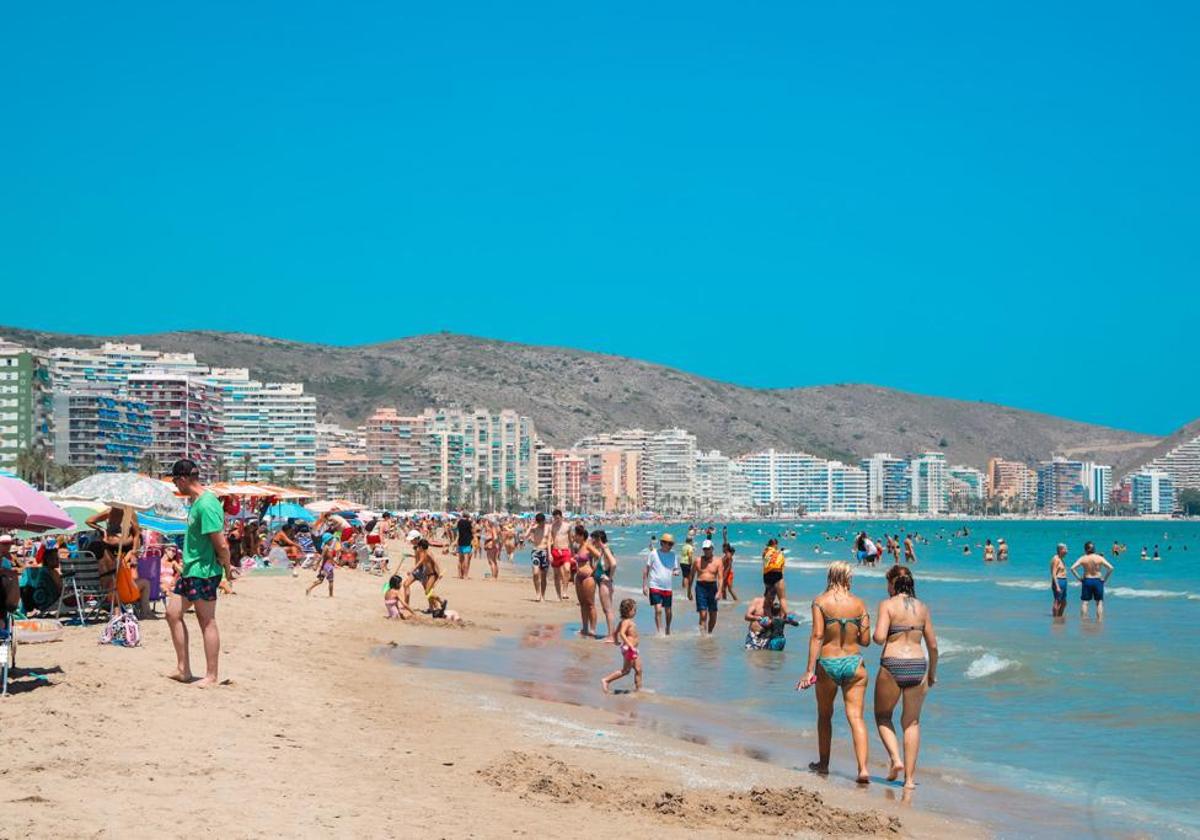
<point x="245" y="466"/>
<point x="32" y="463"/>
<point x="148" y="465"/>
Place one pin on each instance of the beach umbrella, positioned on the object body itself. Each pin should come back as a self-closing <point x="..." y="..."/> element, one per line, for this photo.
<point x="330" y="505"/>
<point x="21" y="506"/>
<point x="132" y="490"/>
<point x="78" y="509"/>
<point x="290" y="510"/>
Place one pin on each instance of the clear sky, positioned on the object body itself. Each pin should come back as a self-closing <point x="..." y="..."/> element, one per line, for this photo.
<point x="994" y="201"/>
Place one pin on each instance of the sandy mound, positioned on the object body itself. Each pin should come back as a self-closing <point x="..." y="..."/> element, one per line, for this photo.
<point x="778" y="811"/>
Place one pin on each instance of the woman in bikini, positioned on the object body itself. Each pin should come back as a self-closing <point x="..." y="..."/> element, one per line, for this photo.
<point x="605" y="563"/>
<point x="903" y="623"/>
<point x="840" y="626"/>
<point x="585" y="582"/>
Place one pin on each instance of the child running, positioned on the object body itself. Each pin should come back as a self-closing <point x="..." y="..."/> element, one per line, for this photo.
<point x="627" y="638"/>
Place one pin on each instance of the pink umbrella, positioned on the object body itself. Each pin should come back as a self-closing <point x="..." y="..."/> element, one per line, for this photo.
<point x="23" y="507"/>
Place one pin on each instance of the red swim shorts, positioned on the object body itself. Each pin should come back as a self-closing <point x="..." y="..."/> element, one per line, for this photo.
<point x="560" y="557"/>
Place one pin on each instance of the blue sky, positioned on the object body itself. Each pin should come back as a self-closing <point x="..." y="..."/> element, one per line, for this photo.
<point x="986" y="201"/>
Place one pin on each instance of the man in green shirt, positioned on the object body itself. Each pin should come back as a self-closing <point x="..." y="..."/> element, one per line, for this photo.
<point x="205" y="560"/>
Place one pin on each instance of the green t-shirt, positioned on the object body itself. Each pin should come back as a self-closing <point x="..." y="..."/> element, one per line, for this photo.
<point x="207" y="516"/>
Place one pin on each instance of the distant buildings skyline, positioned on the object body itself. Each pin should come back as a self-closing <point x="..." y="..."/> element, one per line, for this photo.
<point x="120" y="406"/>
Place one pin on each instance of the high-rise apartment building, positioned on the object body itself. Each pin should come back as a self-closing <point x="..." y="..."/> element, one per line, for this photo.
<point x="929" y="476"/>
<point x="395" y="449"/>
<point x="186" y="419"/>
<point x="1097" y="483"/>
<point x="633" y="441"/>
<point x="480" y="457"/>
<point x="790" y="482"/>
<point x="269" y="429"/>
<point x="1060" y="487"/>
<point x="889" y="488"/>
<point x="1183" y="465"/>
<point x="110" y="365"/>
<point x="100" y="432"/>
<point x="670" y="475"/>
<point x="1153" y="491"/>
<point x="968" y="481"/>
<point x="1012" y="482"/>
<point x="25" y="402"/>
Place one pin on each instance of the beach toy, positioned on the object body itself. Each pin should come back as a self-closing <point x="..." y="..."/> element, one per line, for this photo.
<point x="36" y="630"/>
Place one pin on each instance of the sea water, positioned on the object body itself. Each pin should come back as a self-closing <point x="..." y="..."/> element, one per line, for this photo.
<point x="1046" y="726"/>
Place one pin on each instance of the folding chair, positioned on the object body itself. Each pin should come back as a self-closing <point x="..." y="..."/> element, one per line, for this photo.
<point x="81" y="580"/>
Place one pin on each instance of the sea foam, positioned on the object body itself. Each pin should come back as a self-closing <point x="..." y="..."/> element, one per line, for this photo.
<point x="987" y="665"/>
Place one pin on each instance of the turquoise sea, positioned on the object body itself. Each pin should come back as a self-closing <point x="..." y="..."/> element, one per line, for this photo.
<point x="1037" y="727"/>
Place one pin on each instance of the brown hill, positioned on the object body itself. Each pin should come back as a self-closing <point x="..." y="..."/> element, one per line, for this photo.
<point x="570" y="393"/>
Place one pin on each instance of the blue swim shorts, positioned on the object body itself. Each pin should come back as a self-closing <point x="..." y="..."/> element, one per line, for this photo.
<point x="1093" y="589"/>
<point x="706" y="596"/>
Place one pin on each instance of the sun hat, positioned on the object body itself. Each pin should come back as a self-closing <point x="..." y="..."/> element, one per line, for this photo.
<point x="667" y="538"/>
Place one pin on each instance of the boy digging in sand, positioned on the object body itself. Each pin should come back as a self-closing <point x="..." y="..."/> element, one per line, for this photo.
<point x="627" y="639"/>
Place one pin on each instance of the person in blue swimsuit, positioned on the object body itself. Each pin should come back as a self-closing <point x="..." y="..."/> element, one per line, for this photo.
<point x="840" y="627"/>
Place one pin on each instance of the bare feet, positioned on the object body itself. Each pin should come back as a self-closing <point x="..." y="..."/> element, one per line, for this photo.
<point x="895" y="772"/>
<point x="909" y="784"/>
<point x="863" y="778"/>
<point x="181" y="676"/>
<point x="604" y="685"/>
<point x="205" y="682"/>
<point x="818" y="767"/>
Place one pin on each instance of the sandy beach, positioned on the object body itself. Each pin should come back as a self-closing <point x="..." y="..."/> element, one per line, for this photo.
<point x="317" y="734"/>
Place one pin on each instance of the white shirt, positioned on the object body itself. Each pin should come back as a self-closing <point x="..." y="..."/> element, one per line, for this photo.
<point x="662" y="569"/>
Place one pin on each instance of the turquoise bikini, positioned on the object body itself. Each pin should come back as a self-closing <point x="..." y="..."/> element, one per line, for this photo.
<point x="841" y="669"/>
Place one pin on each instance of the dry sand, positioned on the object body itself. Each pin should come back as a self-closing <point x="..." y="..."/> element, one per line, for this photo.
<point x="315" y="735"/>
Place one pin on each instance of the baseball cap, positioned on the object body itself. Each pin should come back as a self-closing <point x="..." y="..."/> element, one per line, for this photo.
<point x="184" y="468"/>
<point x="414" y="534"/>
<point x="706" y="544"/>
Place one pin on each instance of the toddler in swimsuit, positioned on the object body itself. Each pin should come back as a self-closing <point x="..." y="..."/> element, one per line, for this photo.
<point x="627" y="639"/>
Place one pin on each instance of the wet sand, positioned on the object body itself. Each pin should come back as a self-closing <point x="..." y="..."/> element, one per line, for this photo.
<point x="317" y="734"/>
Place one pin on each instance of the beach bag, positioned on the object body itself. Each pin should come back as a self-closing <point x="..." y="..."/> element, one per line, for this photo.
<point x="127" y="589"/>
<point x="122" y="630"/>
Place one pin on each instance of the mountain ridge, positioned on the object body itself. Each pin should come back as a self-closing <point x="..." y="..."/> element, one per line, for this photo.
<point x="570" y="393"/>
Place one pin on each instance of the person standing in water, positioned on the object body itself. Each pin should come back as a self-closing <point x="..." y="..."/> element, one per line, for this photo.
<point x="1096" y="572"/>
<point x="773" y="561"/>
<point x="903" y="624"/>
<point x="910" y="556"/>
<point x="658" y="580"/>
<point x="1058" y="581"/>
<point x="585" y="580"/>
<point x="989" y="553"/>
<point x="840" y="627"/>
<point x="710" y="584"/>
<point x="606" y="567"/>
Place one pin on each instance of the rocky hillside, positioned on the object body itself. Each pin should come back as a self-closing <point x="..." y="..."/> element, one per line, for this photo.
<point x="570" y="393"/>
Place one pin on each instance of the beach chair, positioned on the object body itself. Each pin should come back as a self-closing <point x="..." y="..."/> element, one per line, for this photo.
<point x="149" y="568"/>
<point x="81" y="582"/>
<point x="8" y="650"/>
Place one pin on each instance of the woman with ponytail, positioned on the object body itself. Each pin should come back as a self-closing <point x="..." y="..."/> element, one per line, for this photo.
<point x="904" y="673"/>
